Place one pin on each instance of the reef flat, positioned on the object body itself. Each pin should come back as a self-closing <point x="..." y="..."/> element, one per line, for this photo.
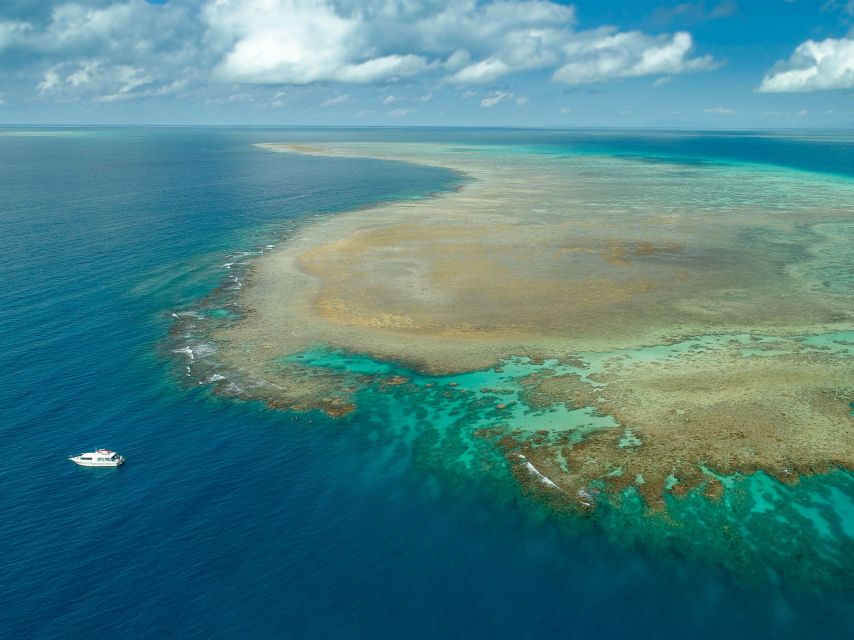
<point x="694" y="314"/>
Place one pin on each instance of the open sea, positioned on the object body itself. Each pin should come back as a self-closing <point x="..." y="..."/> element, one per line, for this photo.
<point x="233" y="520"/>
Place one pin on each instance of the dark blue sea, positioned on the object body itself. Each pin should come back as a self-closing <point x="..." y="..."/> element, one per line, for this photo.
<point x="234" y="520"/>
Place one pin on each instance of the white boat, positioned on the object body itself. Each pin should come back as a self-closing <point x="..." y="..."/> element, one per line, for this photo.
<point x="99" y="458"/>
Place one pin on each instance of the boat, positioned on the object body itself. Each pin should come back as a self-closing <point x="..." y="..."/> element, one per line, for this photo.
<point x="99" y="458"/>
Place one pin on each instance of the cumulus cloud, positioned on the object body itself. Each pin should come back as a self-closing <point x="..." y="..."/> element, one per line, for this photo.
<point x="118" y="51"/>
<point x="399" y="113"/>
<point x="103" y="82"/>
<point x="483" y="41"/>
<point x="500" y="96"/>
<point x="483" y="71"/>
<point x="300" y="42"/>
<point x="721" y="111"/>
<point x="305" y="41"/>
<point x="605" y="54"/>
<point x="494" y="99"/>
<point x="814" y="66"/>
<point x="122" y="30"/>
<point x="133" y="48"/>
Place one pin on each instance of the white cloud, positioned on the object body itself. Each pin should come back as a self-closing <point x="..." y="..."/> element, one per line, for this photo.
<point x="814" y="66"/>
<point x="335" y="101"/>
<point x="279" y="99"/>
<point x="787" y="114"/>
<point x="662" y="81"/>
<point x="259" y="100"/>
<point x="133" y="48"/>
<point x="386" y="67"/>
<point x="305" y="41"/>
<point x="50" y="81"/>
<point x="390" y="99"/>
<point x="483" y="71"/>
<point x="234" y="98"/>
<point x="458" y="59"/>
<point x="399" y="113"/>
<point x="128" y="94"/>
<point x="494" y="99"/>
<point x="300" y="42"/>
<point x="12" y="33"/>
<point x="721" y="111"/>
<point x="103" y="82"/>
<point x="500" y="96"/>
<point x="121" y="51"/>
<point x="121" y="32"/>
<point x="605" y="54"/>
<point x="484" y="41"/>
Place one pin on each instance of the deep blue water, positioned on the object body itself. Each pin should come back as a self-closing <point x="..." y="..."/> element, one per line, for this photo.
<point x="230" y="520"/>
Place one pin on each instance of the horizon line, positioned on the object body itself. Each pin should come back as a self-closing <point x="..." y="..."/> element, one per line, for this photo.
<point x="846" y="127"/>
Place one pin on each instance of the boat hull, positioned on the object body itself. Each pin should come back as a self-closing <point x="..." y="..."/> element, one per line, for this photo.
<point x="93" y="463"/>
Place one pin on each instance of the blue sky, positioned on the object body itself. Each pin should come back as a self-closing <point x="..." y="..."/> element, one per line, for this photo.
<point x="709" y="63"/>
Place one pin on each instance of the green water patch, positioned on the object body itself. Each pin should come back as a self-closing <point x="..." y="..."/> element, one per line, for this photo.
<point x="323" y="358"/>
<point x="496" y="393"/>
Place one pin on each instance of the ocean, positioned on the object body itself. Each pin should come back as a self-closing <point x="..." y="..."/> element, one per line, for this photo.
<point x="234" y="520"/>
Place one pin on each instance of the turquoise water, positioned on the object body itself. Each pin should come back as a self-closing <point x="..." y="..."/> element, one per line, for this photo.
<point x="234" y="520"/>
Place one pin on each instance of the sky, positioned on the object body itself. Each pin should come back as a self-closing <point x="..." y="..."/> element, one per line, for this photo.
<point x="527" y="63"/>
